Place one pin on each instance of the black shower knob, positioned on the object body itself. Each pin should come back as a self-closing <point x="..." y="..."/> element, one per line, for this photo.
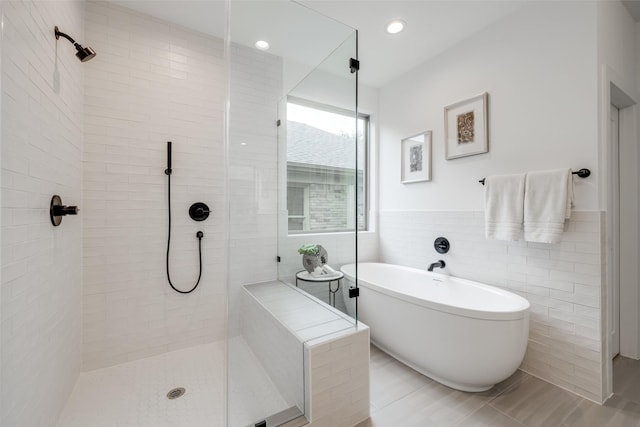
<point x="199" y="211"/>
<point x="441" y="245"/>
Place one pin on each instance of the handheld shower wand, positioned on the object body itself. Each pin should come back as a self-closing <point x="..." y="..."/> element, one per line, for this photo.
<point x="167" y="171"/>
<point x="199" y="234"/>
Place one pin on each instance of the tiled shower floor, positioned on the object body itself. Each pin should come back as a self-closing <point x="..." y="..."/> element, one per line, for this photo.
<point x="133" y="394"/>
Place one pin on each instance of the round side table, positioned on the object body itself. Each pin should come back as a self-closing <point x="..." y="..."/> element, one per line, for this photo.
<point x="329" y="280"/>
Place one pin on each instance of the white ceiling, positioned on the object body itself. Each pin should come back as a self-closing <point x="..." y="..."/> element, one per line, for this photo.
<point x="206" y="16"/>
<point x="298" y="34"/>
<point x="432" y="27"/>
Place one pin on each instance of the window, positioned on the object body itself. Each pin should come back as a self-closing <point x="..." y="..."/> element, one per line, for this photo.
<point x="326" y="168"/>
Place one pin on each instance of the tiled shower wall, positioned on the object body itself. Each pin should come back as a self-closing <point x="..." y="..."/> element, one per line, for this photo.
<point x="41" y="156"/>
<point x="150" y="83"/>
<point x="562" y="282"/>
<point x="256" y="87"/>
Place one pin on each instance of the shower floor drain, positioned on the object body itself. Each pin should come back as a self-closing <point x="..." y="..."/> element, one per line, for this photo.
<point x="176" y="393"/>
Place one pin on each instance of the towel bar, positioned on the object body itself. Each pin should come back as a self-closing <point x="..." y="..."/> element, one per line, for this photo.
<point x="582" y="173"/>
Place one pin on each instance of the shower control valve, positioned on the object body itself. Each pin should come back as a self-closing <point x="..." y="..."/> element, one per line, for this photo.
<point x="57" y="210"/>
<point x="441" y="245"/>
<point x="199" y="211"/>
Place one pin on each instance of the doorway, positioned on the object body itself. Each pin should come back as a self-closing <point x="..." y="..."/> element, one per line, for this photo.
<point x="623" y="292"/>
<point x="614" y="305"/>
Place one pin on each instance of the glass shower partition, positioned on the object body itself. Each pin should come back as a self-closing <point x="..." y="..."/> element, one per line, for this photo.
<point x="322" y="147"/>
<point x="306" y="66"/>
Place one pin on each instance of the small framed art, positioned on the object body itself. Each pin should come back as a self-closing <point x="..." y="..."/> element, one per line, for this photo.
<point x="466" y="127"/>
<point x="416" y="158"/>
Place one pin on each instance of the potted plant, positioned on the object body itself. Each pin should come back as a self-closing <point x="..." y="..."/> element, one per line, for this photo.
<point x="313" y="256"/>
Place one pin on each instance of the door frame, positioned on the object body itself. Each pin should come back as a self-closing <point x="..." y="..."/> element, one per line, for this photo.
<point x="615" y="91"/>
<point x="613" y="237"/>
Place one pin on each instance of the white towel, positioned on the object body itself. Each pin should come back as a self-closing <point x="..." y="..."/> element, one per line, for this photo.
<point x="329" y="271"/>
<point x="547" y="203"/>
<point x="504" y="206"/>
<point x="324" y="271"/>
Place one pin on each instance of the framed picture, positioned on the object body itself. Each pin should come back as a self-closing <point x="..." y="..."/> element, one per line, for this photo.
<point x="466" y="127"/>
<point x="416" y="158"/>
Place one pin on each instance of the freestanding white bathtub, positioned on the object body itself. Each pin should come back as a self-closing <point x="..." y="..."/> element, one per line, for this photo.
<point x="463" y="334"/>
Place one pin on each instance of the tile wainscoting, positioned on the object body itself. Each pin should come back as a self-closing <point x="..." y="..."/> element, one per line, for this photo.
<point x="565" y="283"/>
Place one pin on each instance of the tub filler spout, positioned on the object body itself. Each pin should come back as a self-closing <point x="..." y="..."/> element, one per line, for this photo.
<point x="439" y="264"/>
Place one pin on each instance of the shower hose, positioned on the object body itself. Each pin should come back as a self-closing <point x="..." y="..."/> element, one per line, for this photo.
<point x="199" y="235"/>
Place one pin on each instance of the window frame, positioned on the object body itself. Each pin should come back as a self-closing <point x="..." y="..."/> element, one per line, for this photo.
<point x="305" y="204"/>
<point x="366" y="136"/>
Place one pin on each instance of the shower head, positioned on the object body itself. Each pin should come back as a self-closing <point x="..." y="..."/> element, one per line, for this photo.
<point x="83" y="53"/>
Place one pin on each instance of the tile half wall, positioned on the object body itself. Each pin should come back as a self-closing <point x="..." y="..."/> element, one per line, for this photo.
<point x="563" y="282"/>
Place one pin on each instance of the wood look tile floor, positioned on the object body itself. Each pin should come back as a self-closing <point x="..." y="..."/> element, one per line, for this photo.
<point x="401" y="397"/>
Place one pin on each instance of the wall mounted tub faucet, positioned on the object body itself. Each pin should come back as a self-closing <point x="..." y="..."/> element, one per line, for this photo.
<point x="439" y="264"/>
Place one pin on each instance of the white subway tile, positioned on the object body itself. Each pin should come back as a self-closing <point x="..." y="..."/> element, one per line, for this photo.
<point x="562" y="281"/>
<point x="131" y="109"/>
<point x="41" y="156"/>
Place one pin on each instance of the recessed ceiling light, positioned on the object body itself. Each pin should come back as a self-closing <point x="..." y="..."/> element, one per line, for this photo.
<point x="395" y="26"/>
<point x="262" y="45"/>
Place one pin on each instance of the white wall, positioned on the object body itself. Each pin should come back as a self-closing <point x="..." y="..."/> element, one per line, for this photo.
<point x="542" y="107"/>
<point x="617" y="62"/>
<point x="617" y="66"/>
<point x="617" y="39"/>
<point x="151" y="82"/>
<point x="543" y="114"/>
<point x="41" y="156"/>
